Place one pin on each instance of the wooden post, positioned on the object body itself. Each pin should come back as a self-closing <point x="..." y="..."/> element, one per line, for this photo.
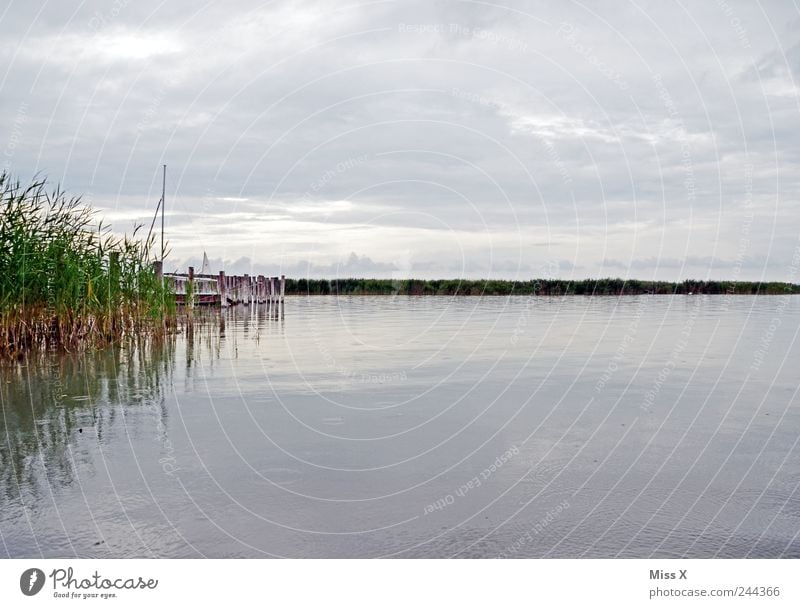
<point x="223" y="299"/>
<point x="190" y="290"/>
<point x="283" y="287"/>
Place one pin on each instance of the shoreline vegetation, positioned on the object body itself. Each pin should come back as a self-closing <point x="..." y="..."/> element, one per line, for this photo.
<point x="66" y="282"/>
<point x="534" y="287"/>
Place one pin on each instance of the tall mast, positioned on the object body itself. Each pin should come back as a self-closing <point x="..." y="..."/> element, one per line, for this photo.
<point x="163" y="204"/>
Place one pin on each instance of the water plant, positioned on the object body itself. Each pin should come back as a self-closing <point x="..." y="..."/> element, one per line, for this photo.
<point x="66" y="281"/>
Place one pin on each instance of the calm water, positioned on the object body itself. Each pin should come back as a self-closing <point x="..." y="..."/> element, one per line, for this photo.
<point x="427" y="427"/>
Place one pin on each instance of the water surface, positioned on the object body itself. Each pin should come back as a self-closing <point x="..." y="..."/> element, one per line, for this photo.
<point x="418" y="427"/>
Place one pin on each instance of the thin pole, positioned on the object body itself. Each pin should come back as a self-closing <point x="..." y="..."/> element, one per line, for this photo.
<point x="153" y="223"/>
<point x="163" y="204"/>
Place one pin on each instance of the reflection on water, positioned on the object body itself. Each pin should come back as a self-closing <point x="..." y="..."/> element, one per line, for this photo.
<point x="48" y="402"/>
<point x="364" y="427"/>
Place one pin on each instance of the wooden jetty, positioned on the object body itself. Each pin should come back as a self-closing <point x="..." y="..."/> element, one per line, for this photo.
<point x="195" y="289"/>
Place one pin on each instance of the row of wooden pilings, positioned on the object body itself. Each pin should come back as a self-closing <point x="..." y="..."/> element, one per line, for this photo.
<point x="248" y="290"/>
<point x="230" y="289"/>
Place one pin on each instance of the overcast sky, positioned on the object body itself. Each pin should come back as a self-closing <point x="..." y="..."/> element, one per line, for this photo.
<point x="432" y="138"/>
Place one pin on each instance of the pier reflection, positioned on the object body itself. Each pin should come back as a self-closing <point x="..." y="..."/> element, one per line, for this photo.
<point x="51" y="400"/>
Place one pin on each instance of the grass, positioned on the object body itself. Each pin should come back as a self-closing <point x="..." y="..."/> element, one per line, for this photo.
<point x="68" y="283"/>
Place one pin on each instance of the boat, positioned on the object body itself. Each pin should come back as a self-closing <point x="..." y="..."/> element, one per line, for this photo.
<point x="206" y="286"/>
<point x="206" y="290"/>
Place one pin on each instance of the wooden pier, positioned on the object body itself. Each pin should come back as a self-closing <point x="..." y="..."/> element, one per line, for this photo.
<point x="193" y="289"/>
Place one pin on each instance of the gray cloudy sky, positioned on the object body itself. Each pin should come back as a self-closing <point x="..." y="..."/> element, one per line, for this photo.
<point x="434" y="139"/>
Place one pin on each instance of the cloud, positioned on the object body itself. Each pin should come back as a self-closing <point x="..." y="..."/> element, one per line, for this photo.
<point x="448" y="137"/>
<point x="353" y="265"/>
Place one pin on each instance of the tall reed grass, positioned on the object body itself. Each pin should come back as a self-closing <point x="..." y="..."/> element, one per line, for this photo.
<point x="66" y="282"/>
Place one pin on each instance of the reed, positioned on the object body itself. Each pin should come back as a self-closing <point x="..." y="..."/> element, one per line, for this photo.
<point x="67" y="282"/>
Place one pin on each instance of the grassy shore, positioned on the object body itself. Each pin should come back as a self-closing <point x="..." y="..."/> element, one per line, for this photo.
<point x="66" y="282"/>
<point x="544" y="287"/>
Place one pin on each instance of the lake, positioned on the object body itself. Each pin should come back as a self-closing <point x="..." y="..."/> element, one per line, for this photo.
<point x="663" y="426"/>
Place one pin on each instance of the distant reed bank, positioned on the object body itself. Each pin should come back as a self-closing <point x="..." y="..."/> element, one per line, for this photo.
<point x="533" y="287"/>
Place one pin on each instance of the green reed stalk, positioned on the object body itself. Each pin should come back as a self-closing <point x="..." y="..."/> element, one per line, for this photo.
<point x="66" y="281"/>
